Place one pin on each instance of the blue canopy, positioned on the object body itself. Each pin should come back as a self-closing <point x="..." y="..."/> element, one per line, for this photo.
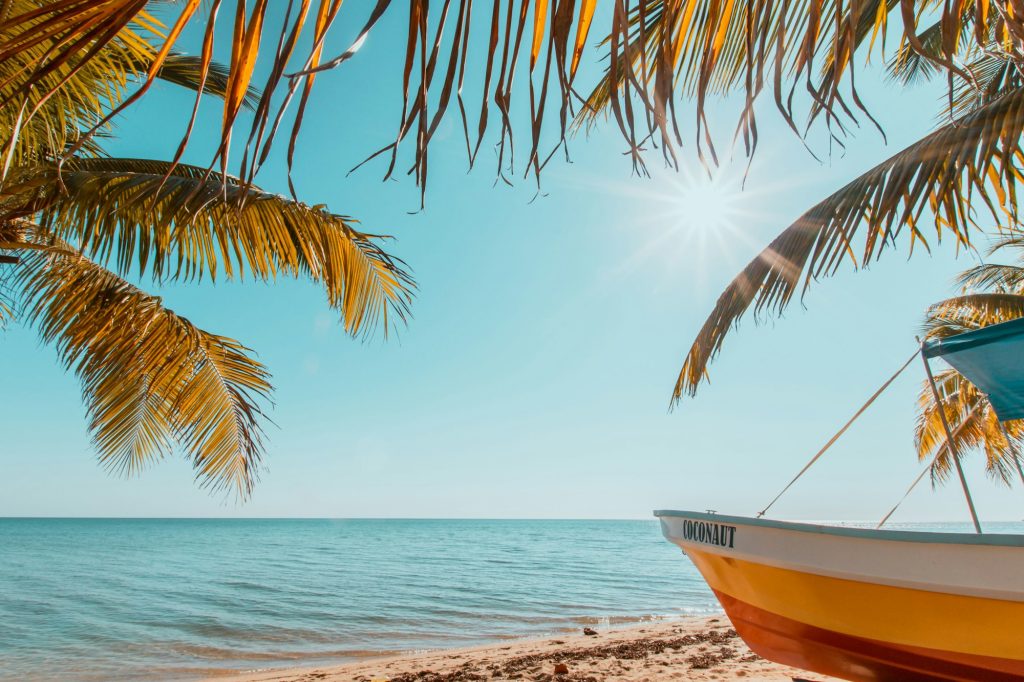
<point x="992" y="358"/>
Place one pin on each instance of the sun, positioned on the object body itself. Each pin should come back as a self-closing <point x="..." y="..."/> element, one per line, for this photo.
<point x="706" y="203"/>
<point x="697" y="224"/>
<point x="688" y="225"/>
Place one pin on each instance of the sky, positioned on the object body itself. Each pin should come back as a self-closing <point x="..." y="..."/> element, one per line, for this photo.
<point x="533" y="379"/>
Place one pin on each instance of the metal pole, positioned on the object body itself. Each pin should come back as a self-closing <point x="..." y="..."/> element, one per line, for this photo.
<point x="949" y="440"/>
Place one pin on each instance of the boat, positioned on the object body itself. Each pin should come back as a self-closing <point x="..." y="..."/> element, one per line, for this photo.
<point x="863" y="604"/>
<point x="875" y="604"/>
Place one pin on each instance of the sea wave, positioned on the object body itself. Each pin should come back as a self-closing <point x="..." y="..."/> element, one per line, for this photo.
<point x="168" y="599"/>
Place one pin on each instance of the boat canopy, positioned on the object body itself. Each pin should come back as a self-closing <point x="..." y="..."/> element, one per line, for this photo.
<point x="992" y="358"/>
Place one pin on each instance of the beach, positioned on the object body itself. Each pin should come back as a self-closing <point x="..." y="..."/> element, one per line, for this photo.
<point x="688" y="649"/>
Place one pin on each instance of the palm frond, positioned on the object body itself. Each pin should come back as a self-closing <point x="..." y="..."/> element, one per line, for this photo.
<point x="976" y="158"/>
<point x="972" y="311"/>
<point x="992" y="78"/>
<point x="993" y="276"/>
<point x="703" y="47"/>
<point x="151" y="380"/>
<point x="190" y="72"/>
<point x="972" y="420"/>
<point x="911" y="65"/>
<point x="1009" y="239"/>
<point x="182" y="223"/>
<point x="974" y="425"/>
<point x="749" y="48"/>
<point x="48" y="98"/>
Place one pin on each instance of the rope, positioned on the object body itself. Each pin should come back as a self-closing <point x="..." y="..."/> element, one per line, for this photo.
<point x="931" y="465"/>
<point x="906" y="494"/>
<point x="840" y="432"/>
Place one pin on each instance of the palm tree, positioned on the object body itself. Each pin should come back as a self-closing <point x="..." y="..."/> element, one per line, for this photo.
<point x="992" y="293"/>
<point x="76" y="225"/>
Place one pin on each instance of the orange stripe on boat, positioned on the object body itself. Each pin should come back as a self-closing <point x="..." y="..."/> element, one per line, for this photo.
<point x="977" y="627"/>
<point x="832" y="653"/>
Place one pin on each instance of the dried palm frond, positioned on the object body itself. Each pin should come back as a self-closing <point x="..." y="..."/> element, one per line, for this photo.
<point x="974" y="158"/>
<point x="656" y="49"/>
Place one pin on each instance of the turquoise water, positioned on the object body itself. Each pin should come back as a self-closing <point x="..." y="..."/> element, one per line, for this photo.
<point x="179" y="599"/>
<point x="98" y="599"/>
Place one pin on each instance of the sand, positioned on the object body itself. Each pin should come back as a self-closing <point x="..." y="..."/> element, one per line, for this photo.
<point x="691" y="649"/>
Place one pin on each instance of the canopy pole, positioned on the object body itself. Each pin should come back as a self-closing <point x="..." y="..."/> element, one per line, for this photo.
<point x="949" y="441"/>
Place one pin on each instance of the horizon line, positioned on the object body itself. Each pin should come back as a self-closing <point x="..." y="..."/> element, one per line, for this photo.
<point x="433" y="518"/>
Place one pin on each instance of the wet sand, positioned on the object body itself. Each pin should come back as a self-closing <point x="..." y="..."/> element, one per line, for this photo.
<point x="692" y="649"/>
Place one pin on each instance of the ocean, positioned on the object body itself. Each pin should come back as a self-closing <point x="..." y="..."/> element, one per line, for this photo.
<point x="166" y="599"/>
<point x="170" y="599"/>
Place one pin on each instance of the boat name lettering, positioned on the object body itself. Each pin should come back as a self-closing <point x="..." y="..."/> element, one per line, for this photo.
<point x="709" y="533"/>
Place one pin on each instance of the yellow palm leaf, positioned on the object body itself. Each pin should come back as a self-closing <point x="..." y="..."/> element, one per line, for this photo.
<point x="974" y="423"/>
<point x="151" y="380"/>
<point x="184" y="223"/>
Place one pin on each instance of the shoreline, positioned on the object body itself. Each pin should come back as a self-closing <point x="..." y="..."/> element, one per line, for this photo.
<point x="695" y="648"/>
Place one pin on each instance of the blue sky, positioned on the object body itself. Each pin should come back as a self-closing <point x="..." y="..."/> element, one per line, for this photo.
<point x="534" y="377"/>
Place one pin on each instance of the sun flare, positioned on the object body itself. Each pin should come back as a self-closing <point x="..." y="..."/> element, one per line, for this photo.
<point x="708" y="203"/>
<point x="696" y="223"/>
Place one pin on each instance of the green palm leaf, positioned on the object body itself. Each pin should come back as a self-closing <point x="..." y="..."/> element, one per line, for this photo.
<point x="909" y="65"/>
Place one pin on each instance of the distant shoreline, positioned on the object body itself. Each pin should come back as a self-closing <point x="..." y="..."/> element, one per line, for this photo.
<point x="694" y="648"/>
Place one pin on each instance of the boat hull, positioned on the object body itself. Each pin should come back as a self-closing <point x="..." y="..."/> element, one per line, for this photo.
<point x="863" y="605"/>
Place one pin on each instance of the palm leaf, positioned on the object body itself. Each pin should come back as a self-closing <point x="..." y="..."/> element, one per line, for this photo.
<point x="974" y="424"/>
<point x="1006" y="278"/>
<point x="704" y="47"/>
<point x="993" y="78"/>
<point x="973" y="311"/>
<point x="182" y="223"/>
<point x="910" y="65"/>
<point x="188" y="72"/>
<point x="46" y="101"/>
<point x="151" y="380"/>
<point x="973" y="158"/>
<point x="997" y="277"/>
